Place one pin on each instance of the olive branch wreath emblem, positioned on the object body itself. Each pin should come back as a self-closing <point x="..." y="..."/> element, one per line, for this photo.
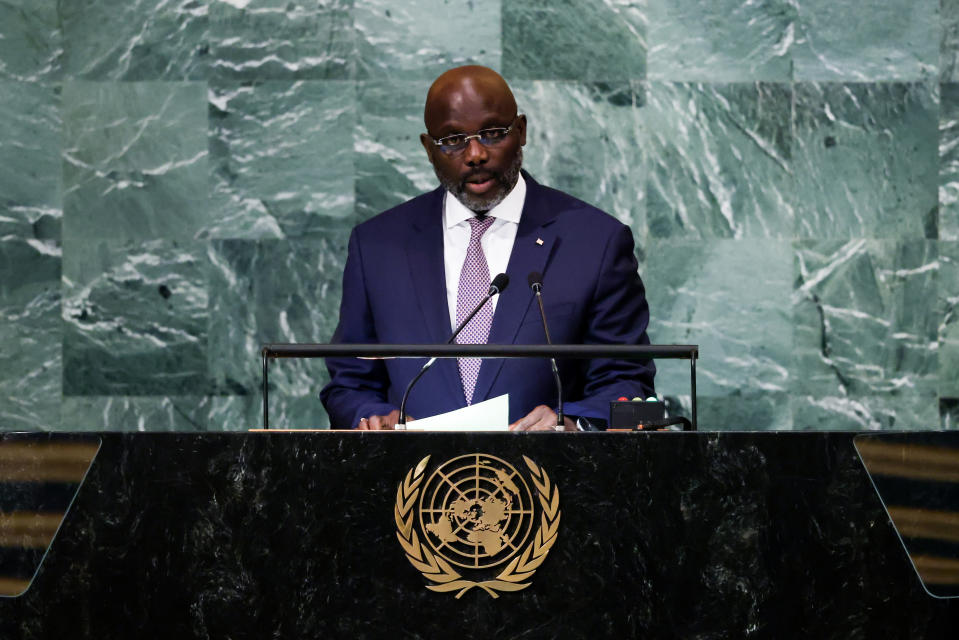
<point x="516" y="575"/>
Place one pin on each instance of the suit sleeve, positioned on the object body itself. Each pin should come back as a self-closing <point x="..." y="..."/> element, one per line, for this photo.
<point x="357" y="388"/>
<point x="617" y="314"/>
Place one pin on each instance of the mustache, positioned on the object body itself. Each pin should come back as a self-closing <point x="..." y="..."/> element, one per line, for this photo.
<point x="494" y="175"/>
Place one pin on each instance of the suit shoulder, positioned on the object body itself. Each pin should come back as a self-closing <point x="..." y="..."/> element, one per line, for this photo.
<point x="401" y="216"/>
<point x="573" y="211"/>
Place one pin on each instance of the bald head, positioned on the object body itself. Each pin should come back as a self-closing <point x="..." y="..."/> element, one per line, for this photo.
<point x="467" y="87"/>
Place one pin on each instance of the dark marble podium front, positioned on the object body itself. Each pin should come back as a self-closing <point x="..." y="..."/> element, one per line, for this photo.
<point x="663" y="535"/>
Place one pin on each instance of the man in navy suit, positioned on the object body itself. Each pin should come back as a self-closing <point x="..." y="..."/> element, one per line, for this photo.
<point x="410" y="271"/>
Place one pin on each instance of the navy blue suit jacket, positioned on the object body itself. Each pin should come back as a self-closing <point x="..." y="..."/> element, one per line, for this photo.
<point x="394" y="292"/>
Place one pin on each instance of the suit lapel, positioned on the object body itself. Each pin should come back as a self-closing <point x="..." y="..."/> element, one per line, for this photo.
<point x="424" y="250"/>
<point x="532" y="249"/>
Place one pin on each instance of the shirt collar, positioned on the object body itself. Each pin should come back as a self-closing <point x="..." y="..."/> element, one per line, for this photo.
<point x="509" y="210"/>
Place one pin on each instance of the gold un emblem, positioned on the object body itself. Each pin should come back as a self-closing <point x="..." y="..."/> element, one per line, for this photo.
<point x="473" y="515"/>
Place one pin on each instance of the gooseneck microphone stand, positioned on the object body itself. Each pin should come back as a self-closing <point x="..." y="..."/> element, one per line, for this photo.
<point x="496" y="287"/>
<point x="535" y="280"/>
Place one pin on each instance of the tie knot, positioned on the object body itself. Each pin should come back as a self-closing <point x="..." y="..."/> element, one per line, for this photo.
<point x="479" y="226"/>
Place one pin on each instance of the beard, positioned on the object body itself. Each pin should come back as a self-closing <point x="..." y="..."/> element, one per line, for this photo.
<point x="505" y="182"/>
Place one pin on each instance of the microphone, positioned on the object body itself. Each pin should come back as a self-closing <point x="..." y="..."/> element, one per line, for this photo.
<point x="496" y="287"/>
<point x="535" y="280"/>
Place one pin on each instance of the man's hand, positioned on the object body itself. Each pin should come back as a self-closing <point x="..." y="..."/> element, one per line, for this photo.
<point x="542" y="418"/>
<point x="382" y="423"/>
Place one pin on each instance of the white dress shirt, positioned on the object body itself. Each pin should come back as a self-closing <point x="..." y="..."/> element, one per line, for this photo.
<point x="497" y="242"/>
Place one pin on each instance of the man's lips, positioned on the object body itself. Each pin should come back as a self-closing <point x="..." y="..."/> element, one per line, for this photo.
<point x="480" y="183"/>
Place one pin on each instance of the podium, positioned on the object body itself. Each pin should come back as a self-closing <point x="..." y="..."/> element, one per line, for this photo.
<point x="659" y="535"/>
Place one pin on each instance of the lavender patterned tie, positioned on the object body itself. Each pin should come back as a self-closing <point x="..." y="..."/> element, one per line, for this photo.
<point x="473" y="287"/>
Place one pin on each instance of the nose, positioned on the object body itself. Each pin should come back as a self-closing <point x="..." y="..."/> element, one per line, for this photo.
<point x="475" y="153"/>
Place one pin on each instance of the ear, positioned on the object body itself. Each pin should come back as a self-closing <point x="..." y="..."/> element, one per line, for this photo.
<point x="521" y="127"/>
<point x="427" y="143"/>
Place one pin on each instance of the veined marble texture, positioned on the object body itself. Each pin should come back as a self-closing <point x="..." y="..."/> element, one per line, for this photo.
<point x="866" y="327"/>
<point x="135" y="318"/>
<point x="584" y="40"/>
<point x="30" y="328"/>
<point x="287" y="410"/>
<point x="188" y="412"/>
<point x="721" y="40"/>
<point x="282" y="39"/>
<point x="949" y="319"/>
<point x="31" y="42"/>
<point x="587" y="139"/>
<point x="30" y="183"/>
<point x="788" y="168"/>
<point x="391" y="164"/>
<point x="273" y="291"/>
<point x="420" y="40"/>
<point x="281" y="158"/>
<point x="135" y="39"/>
<point x="949" y="41"/>
<point x="703" y="294"/>
<point x="137" y="413"/>
<point x="868" y="413"/>
<point x="949" y="162"/>
<point x="741" y="410"/>
<point x="720" y="160"/>
<point x="866" y="160"/>
<point x="135" y="160"/>
<point x="869" y="40"/>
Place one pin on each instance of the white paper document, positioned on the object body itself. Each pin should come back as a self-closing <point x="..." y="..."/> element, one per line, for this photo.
<point x="489" y="415"/>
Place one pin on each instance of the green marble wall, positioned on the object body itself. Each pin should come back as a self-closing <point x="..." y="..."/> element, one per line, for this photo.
<point x="178" y="179"/>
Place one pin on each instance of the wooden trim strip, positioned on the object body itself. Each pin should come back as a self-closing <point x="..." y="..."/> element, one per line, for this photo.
<point x="913" y="522"/>
<point x="935" y="570"/>
<point x="13" y="586"/>
<point x="45" y="462"/>
<point x="915" y="461"/>
<point x="28" y="529"/>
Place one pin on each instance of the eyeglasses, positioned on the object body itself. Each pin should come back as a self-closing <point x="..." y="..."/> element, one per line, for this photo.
<point x="487" y="137"/>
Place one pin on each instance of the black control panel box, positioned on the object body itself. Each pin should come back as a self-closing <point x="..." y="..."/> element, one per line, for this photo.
<point x="636" y="414"/>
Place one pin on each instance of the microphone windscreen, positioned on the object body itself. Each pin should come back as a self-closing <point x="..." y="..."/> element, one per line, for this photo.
<point x="499" y="282"/>
<point x="534" y="278"/>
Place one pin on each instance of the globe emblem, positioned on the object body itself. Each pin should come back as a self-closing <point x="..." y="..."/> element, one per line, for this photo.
<point x="476" y="511"/>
